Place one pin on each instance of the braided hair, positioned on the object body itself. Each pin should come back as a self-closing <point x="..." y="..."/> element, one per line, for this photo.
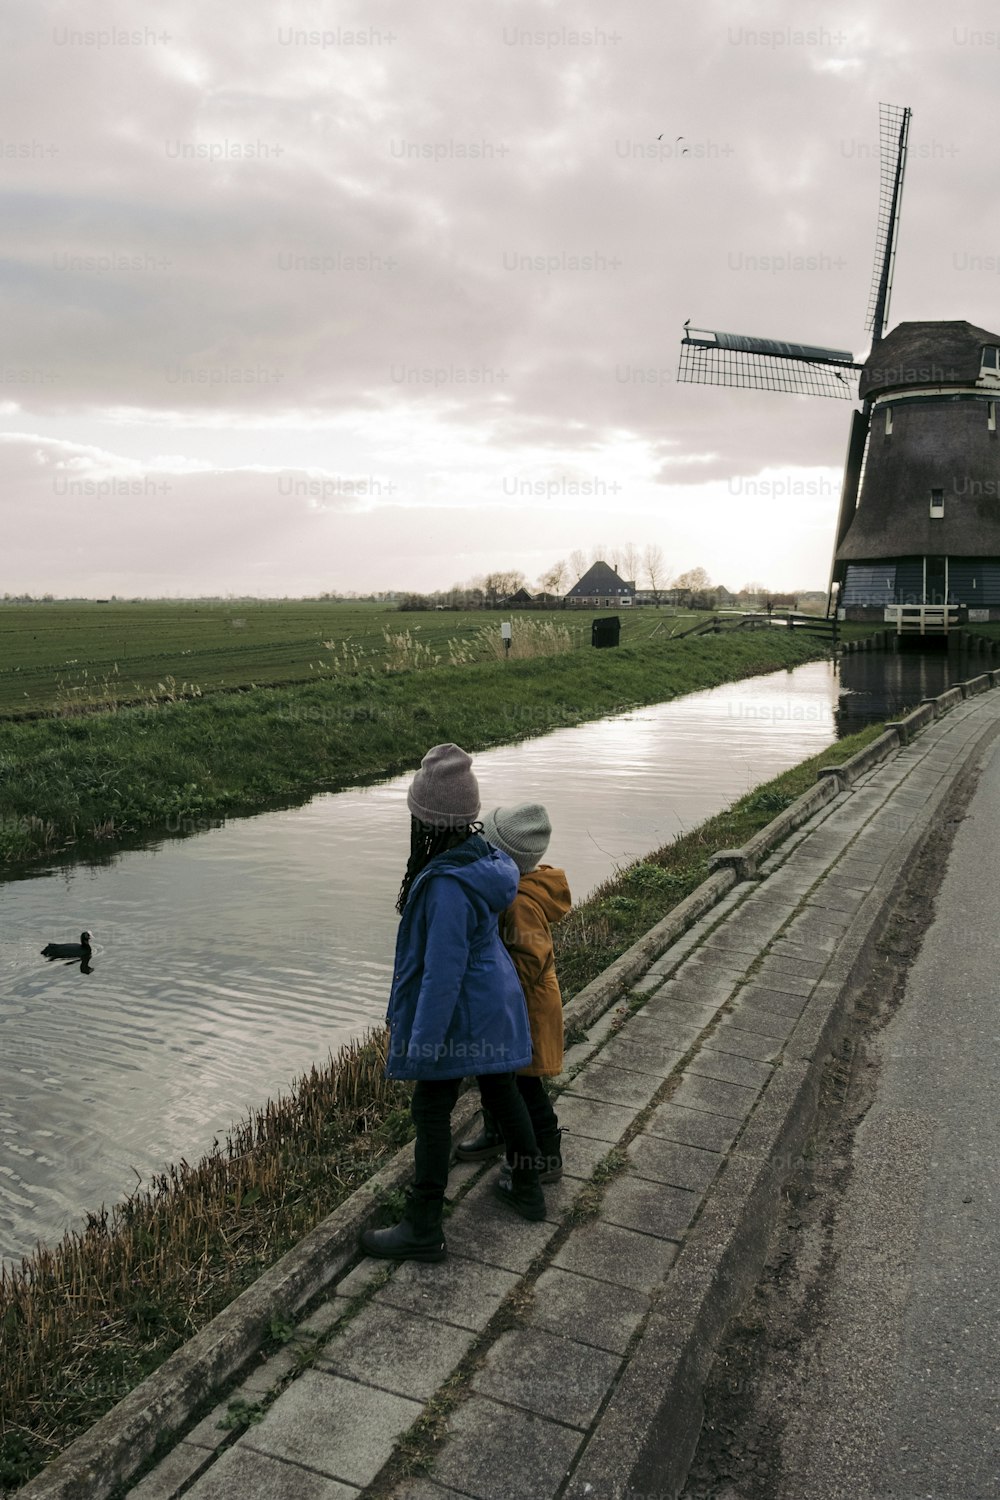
<point x="426" y="841"/>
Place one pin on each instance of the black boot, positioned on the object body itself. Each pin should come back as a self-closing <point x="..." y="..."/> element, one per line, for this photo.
<point x="417" y="1236"/>
<point x="484" y="1146"/>
<point x="550" y="1165"/>
<point x="520" y="1189"/>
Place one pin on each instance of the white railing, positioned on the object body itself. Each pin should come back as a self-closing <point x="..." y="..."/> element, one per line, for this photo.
<point x="921" y="619"/>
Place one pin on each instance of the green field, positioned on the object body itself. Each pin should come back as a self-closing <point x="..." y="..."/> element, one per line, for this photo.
<point x="57" y="655"/>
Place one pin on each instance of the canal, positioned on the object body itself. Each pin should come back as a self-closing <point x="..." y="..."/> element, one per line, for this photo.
<point x="225" y="963"/>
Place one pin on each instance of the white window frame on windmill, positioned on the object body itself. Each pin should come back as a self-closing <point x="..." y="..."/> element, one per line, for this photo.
<point x="989" y="362"/>
<point x="937" y="505"/>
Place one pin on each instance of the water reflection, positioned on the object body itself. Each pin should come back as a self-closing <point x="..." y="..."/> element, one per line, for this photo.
<point x="226" y="963"/>
<point x="881" y="685"/>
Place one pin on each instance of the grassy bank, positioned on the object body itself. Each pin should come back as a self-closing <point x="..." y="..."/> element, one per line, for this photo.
<point x="178" y="766"/>
<point x="61" y="655"/>
<point x="83" y="1323"/>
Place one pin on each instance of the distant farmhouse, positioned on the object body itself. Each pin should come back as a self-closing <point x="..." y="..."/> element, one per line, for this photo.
<point x="601" y="588"/>
<point x="520" y="600"/>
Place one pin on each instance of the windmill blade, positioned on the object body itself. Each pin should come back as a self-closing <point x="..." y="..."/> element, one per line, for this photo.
<point x="737" y="359"/>
<point x="894" y="130"/>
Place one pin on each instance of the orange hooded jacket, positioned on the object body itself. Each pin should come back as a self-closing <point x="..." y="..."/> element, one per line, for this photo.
<point x="542" y="898"/>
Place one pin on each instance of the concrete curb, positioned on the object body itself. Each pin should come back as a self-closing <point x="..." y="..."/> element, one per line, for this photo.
<point x="649" y="1431"/>
<point x="159" y="1409"/>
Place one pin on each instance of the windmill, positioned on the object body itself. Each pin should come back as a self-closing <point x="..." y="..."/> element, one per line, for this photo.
<point x="919" y="520"/>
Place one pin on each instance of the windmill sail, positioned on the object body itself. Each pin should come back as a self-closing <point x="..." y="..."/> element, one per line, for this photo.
<point x="894" y="129"/>
<point x="736" y="359"/>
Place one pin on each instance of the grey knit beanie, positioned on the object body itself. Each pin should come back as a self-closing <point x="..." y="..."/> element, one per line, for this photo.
<point x="523" y="832"/>
<point x="444" y="792"/>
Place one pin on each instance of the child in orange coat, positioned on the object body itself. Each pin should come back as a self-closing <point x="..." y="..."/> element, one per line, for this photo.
<point x="542" y="898"/>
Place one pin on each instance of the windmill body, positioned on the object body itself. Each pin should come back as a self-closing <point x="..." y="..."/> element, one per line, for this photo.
<point x="926" y="529"/>
<point x="919" y="522"/>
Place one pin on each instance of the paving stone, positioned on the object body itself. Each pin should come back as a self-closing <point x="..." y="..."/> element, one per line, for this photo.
<point x="751" y="929"/>
<point x="336" y="1427"/>
<point x="172" y="1473"/>
<point x="614" y="1085"/>
<point x="560" y="1197"/>
<point x="266" y="1376"/>
<point x="642" y="1054"/>
<point x="748" y="1016"/>
<point x="736" y="951"/>
<point x="470" y="1291"/>
<point x="778" y="1001"/>
<point x="322" y="1318"/>
<point x="649" y="1207"/>
<point x="606" y="1122"/>
<point x="621" y="1256"/>
<point x="547" y="1374"/>
<point x="396" y="1350"/>
<point x="360" y="1279"/>
<point x="839" y="882"/>
<point x="668" y="1161"/>
<point x="421" y="1489"/>
<point x="461" y="1172"/>
<point x="836" y="898"/>
<point x="666" y="1015"/>
<point x="499" y="1452"/>
<point x="693" y="1127"/>
<point x="207" y="1433"/>
<point x="706" y="979"/>
<point x="665" y="1011"/>
<point x="582" y="1309"/>
<point x="812" y="925"/>
<point x="255" y="1476"/>
<point x="715" y="1097"/>
<point x="798" y="968"/>
<point x="806" y="947"/>
<point x="581" y="1154"/>
<point x="737" y="1041"/>
<point x="729" y="1069"/>
<point x="488" y="1231"/>
<point x="701" y="987"/>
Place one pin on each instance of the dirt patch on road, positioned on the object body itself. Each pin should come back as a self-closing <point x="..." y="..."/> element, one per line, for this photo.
<point x="752" y="1389"/>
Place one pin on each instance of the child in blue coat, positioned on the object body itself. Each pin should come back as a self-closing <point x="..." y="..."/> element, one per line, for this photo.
<point x="456" y="1007"/>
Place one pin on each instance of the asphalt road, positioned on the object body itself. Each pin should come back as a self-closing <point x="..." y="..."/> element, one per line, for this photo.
<point x="868" y="1365"/>
<point x="903" y="1398"/>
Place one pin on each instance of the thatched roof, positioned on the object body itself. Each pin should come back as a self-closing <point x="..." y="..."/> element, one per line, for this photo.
<point x="945" y="445"/>
<point x="916" y="354"/>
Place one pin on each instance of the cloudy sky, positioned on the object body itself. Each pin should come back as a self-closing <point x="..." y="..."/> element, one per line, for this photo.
<point x="336" y="296"/>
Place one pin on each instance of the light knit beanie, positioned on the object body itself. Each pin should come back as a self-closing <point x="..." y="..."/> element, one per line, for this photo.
<point x="444" y="792"/>
<point x="523" y="832"/>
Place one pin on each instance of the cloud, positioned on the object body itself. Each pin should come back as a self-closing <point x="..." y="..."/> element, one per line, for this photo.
<point x="263" y="229"/>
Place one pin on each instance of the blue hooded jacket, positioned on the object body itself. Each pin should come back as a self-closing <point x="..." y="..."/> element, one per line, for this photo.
<point x="457" y="1007"/>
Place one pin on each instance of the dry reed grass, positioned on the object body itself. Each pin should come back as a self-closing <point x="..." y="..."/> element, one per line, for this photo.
<point x="82" y="1322"/>
<point x="528" y="638"/>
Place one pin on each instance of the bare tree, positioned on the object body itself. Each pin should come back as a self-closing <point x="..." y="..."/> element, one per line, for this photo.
<point x="656" y="571"/>
<point x="629" y="562"/>
<point x="552" y="580"/>
<point x="577" y="565"/>
<point x="499" y="585"/>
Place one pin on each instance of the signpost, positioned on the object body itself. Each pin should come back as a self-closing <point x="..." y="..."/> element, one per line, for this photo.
<point x="506" y="632"/>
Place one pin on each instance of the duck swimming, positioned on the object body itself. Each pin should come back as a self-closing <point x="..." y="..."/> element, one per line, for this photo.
<point x="69" y="950"/>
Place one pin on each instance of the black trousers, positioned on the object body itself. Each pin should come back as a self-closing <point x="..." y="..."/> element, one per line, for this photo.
<point x="431" y="1107"/>
<point x="544" y="1120"/>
